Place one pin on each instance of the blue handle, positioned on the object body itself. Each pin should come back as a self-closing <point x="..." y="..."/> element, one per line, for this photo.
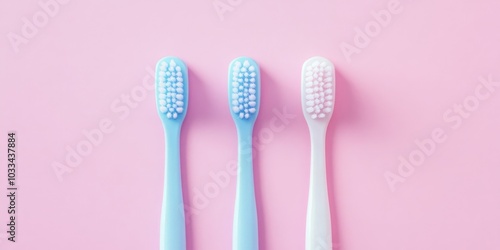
<point x="172" y="227"/>
<point x="245" y="228"/>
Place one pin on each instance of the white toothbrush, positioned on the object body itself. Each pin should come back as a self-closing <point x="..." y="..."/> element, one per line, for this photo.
<point x="318" y="97"/>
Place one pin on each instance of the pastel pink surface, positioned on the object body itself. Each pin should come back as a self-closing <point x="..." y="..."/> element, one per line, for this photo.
<point x="74" y="71"/>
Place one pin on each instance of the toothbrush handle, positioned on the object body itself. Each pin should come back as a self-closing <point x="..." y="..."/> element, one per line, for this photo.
<point x="172" y="226"/>
<point x="318" y="227"/>
<point x="245" y="227"/>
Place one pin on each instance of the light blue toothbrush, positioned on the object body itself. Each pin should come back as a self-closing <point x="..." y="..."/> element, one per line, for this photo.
<point x="171" y="102"/>
<point x="244" y="94"/>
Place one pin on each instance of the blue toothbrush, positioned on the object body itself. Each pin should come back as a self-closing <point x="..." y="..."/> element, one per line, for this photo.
<point x="244" y="93"/>
<point x="171" y="102"/>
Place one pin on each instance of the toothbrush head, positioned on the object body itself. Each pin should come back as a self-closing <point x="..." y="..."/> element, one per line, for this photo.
<point x="318" y="89"/>
<point x="171" y="89"/>
<point x="244" y="89"/>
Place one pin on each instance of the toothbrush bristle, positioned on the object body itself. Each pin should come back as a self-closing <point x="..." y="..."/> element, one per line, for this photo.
<point x="170" y="89"/>
<point x="244" y="89"/>
<point x="318" y="89"/>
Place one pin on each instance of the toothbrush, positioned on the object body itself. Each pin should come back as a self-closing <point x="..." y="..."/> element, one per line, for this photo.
<point x="171" y="102"/>
<point x="244" y="94"/>
<point x="318" y="96"/>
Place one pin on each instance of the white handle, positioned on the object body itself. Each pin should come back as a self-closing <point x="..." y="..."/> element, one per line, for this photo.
<point x="318" y="227"/>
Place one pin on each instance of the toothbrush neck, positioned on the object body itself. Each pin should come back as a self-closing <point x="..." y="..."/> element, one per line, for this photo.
<point x="172" y="131"/>
<point x="172" y="137"/>
<point x="244" y="130"/>
<point x="245" y="142"/>
<point x="318" y="137"/>
<point x="318" y="134"/>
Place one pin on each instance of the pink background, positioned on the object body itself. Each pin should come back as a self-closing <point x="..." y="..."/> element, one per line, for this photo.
<point x="395" y="91"/>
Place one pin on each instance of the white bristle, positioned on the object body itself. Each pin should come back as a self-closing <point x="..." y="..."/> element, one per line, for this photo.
<point x="244" y="90"/>
<point x="170" y="89"/>
<point x="318" y="89"/>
